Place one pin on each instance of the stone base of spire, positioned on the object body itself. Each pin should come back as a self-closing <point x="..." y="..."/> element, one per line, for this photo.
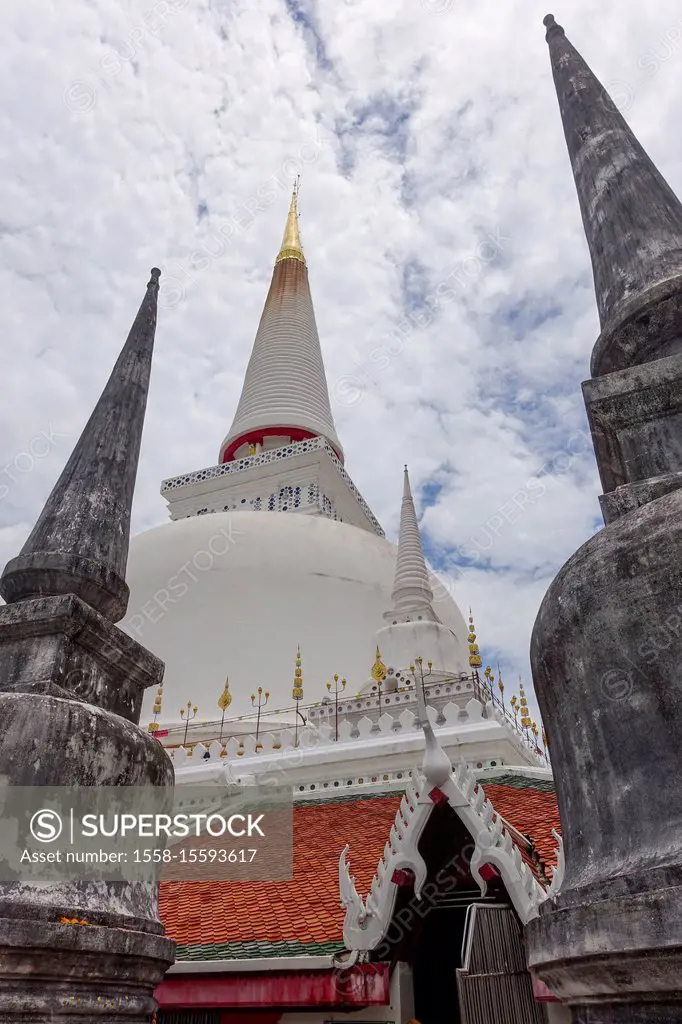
<point x="63" y="647"/>
<point x="615" y="959"/>
<point x="53" y="972"/>
<point x="70" y="691"/>
<point x="636" y="416"/>
<point x="605" y="657"/>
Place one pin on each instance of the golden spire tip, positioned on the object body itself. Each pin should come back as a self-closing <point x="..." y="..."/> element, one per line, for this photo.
<point x="292" y="248"/>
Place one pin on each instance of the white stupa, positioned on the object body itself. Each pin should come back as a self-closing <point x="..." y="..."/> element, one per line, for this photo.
<point x="275" y="547"/>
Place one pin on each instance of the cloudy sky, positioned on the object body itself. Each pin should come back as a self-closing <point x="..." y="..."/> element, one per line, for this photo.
<point x="427" y="133"/>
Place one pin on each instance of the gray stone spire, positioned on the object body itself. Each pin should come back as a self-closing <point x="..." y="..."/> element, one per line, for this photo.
<point x="605" y="649"/>
<point x="71" y="690"/>
<point x="79" y="544"/>
<point x="631" y="216"/>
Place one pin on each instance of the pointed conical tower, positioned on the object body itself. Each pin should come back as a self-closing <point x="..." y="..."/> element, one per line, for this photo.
<point x="412" y="594"/>
<point x="71" y="685"/>
<point x="631" y="216"/>
<point x="633" y="226"/>
<point x="414" y="628"/>
<point x="606" y="641"/>
<point x="80" y="543"/>
<point x="285" y="392"/>
<point x="282" y="453"/>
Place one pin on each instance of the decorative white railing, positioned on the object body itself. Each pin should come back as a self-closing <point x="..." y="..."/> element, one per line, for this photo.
<point x="449" y="716"/>
<point x="274" y="455"/>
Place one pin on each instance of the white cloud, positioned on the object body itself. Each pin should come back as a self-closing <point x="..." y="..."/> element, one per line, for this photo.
<point x="420" y="135"/>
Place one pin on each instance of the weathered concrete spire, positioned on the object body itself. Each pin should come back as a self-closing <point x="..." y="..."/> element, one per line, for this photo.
<point x="605" y="657"/>
<point x="71" y="690"/>
<point x="285" y="393"/>
<point x="631" y="216"/>
<point x="79" y="544"/>
<point x="411" y="589"/>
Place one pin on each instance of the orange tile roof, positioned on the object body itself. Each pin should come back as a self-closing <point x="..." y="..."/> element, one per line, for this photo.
<point x="531" y="811"/>
<point x="304" y="910"/>
<point x="227" y="919"/>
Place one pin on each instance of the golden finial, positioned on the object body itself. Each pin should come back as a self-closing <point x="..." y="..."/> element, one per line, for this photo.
<point x="253" y="450"/>
<point x="297" y="692"/>
<point x="474" y="654"/>
<point x="225" y="698"/>
<point x="158" y="701"/>
<point x="500" y="684"/>
<point x="292" y="248"/>
<point x="525" y="716"/>
<point x="224" y="701"/>
<point x="379" y="670"/>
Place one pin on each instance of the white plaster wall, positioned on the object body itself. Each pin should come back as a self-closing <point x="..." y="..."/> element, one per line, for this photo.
<point x="399" y="643"/>
<point x="232" y="593"/>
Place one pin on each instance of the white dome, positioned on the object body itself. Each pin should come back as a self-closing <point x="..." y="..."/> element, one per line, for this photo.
<point x="233" y="593"/>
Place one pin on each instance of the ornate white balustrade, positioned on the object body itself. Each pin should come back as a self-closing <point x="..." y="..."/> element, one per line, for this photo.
<point x="448" y="717"/>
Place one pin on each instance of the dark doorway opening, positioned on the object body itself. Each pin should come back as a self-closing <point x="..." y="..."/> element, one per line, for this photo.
<point x="436" y="958"/>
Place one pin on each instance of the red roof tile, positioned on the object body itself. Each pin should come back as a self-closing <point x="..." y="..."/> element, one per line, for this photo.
<point x="531" y="811"/>
<point x="306" y="909"/>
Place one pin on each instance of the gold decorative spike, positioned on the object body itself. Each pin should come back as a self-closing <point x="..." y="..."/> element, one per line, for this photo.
<point x="225" y="698"/>
<point x="158" y="701"/>
<point x="253" y="450"/>
<point x="474" y="653"/>
<point x="525" y="716"/>
<point x="297" y="692"/>
<point x="379" y="670"/>
<point x="291" y="242"/>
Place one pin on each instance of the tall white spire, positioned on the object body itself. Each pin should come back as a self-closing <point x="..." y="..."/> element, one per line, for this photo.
<point x="412" y="594"/>
<point x="412" y="626"/>
<point x="285" y="393"/>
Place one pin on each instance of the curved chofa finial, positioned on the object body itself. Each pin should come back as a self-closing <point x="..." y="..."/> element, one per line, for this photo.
<point x="631" y="216"/>
<point x="79" y="544"/>
<point x="436" y="766"/>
